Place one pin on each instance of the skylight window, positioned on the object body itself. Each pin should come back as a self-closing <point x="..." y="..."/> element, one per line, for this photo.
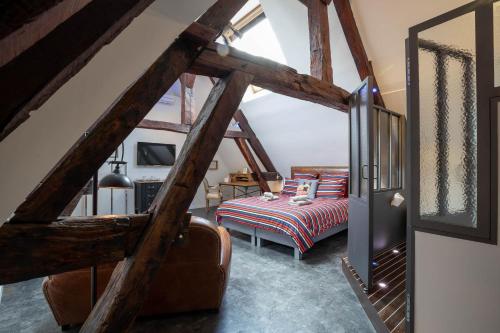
<point x="252" y="33"/>
<point x="261" y="41"/>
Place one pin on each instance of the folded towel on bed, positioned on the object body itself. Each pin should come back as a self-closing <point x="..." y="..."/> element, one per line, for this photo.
<point x="299" y="203"/>
<point x="299" y="198"/>
<point x="268" y="198"/>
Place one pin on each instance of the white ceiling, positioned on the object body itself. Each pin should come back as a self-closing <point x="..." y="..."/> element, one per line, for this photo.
<point x="383" y="25"/>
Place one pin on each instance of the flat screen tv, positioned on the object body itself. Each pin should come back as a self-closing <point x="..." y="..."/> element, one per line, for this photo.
<point x="155" y="154"/>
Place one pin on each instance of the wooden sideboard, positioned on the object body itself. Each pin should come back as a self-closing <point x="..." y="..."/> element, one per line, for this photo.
<point x="145" y="192"/>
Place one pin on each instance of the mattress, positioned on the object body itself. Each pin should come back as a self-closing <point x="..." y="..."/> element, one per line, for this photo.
<point x="302" y="223"/>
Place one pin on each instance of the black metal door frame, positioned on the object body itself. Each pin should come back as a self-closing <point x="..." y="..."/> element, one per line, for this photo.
<point x="360" y="231"/>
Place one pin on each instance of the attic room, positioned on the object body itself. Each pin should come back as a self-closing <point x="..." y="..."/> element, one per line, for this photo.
<point x="249" y="166"/>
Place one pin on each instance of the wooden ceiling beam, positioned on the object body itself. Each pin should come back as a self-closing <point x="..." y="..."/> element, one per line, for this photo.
<point x="25" y="22"/>
<point x="57" y="57"/>
<point x="34" y="250"/>
<point x="270" y="75"/>
<point x="181" y="128"/>
<point x="351" y="32"/>
<point x="319" y="40"/>
<point x="14" y="14"/>
<point x="252" y="163"/>
<point x="254" y="141"/>
<point x="132" y="278"/>
<point x="76" y="167"/>
<point x="64" y="181"/>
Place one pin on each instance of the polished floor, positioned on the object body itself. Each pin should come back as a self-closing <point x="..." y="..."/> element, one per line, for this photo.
<point x="387" y="297"/>
<point x="268" y="291"/>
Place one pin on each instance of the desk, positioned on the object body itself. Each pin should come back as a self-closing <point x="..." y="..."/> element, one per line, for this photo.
<point x="241" y="188"/>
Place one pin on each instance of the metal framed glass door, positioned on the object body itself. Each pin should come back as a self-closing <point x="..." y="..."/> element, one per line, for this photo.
<point x="451" y="85"/>
<point x="360" y="243"/>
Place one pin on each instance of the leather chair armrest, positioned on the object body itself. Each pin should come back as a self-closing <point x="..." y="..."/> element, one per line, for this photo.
<point x="45" y="287"/>
<point x="226" y="250"/>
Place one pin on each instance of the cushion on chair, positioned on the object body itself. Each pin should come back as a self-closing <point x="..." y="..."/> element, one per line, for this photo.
<point x="213" y="195"/>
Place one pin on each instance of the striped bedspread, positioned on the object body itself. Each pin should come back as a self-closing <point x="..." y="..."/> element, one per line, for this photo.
<point x="301" y="223"/>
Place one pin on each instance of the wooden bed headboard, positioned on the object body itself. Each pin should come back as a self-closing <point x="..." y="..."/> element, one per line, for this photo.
<point x="318" y="169"/>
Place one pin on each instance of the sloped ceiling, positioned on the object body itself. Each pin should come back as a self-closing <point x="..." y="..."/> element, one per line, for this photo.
<point x="383" y="26"/>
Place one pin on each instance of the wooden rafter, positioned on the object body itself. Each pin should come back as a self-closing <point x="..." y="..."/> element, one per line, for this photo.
<point x="33" y="249"/>
<point x="181" y="128"/>
<point x="68" y="210"/>
<point x="58" y="56"/>
<point x="319" y="40"/>
<point x="15" y="14"/>
<point x="258" y="149"/>
<point x="25" y="22"/>
<point x="64" y="181"/>
<point x="252" y="163"/>
<point x="254" y="141"/>
<point x="270" y="75"/>
<point x="356" y="46"/>
<point x="132" y="278"/>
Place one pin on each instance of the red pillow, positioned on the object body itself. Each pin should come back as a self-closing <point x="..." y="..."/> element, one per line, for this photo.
<point x="335" y="189"/>
<point x="340" y="176"/>
<point x="290" y="186"/>
<point x="308" y="176"/>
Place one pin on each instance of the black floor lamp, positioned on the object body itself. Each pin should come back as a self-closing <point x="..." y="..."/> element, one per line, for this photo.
<point x="114" y="180"/>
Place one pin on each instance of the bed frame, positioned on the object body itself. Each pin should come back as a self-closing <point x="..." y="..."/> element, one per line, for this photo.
<point x="258" y="236"/>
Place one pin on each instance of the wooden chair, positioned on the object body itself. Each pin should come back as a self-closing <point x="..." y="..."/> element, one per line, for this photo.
<point x="211" y="193"/>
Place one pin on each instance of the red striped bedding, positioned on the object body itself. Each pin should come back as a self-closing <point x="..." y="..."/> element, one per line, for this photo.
<point x="302" y="224"/>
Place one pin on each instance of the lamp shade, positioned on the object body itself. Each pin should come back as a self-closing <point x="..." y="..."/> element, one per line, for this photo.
<point x="116" y="180"/>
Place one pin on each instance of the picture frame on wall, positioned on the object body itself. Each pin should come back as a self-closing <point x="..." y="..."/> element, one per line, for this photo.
<point x="214" y="165"/>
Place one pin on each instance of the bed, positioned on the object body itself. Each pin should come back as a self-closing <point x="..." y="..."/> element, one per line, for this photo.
<point x="276" y="221"/>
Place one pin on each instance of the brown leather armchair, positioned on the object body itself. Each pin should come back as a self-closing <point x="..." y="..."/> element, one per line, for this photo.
<point x="193" y="277"/>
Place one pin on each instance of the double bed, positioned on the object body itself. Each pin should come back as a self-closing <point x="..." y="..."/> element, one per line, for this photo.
<point x="299" y="227"/>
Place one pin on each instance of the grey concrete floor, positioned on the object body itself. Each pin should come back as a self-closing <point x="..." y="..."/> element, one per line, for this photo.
<point x="268" y="291"/>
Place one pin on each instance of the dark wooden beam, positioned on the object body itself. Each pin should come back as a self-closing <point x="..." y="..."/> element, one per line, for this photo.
<point x="180" y="128"/>
<point x="34" y="250"/>
<point x="25" y="22"/>
<point x="32" y="77"/>
<point x="71" y="173"/>
<point x="15" y="14"/>
<point x="164" y="126"/>
<point x="64" y="181"/>
<point x="257" y="147"/>
<point x="319" y="40"/>
<point x="68" y="210"/>
<point x="252" y="163"/>
<point x="271" y="176"/>
<point x="254" y="141"/>
<point x="271" y="75"/>
<point x="351" y="32"/>
<point x="121" y="301"/>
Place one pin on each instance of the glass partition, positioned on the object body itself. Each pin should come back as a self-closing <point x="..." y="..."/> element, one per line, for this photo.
<point x="448" y="122"/>
<point x="387" y="151"/>
<point x="452" y="80"/>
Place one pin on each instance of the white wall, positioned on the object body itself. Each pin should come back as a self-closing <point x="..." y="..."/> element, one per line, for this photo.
<point x="296" y="132"/>
<point x="31" y="150"/>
